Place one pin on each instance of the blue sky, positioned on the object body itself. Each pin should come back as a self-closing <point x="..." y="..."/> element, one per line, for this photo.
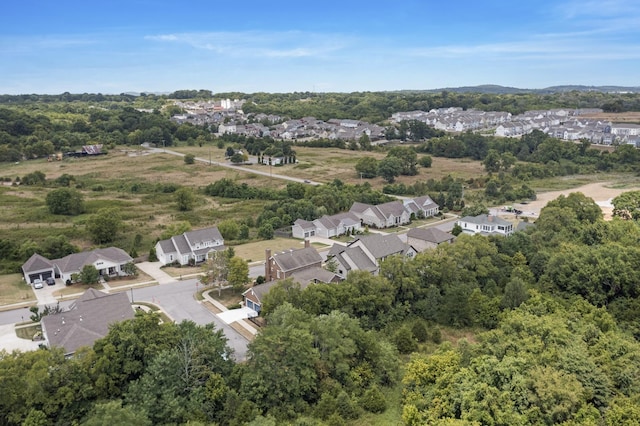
<point x="115" y="46"/>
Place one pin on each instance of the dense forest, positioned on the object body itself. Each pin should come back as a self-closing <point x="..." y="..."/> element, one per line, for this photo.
<point x="551" y="316"/>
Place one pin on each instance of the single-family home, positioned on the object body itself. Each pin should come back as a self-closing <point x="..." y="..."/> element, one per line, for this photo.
<point x="485" y="225"/>
<point x="384" y="215"/>
<point x="428" y="238"/>
<point x="366" y="252"/>
<point x="87" y="320"/>
<point x="190" y="247"/>
<point x="284" y="264"/>
<point x="108" y="261"/>
<point x="303" y="229"/>
<point x="338" y="224"/>
<point x="421" y="206"/>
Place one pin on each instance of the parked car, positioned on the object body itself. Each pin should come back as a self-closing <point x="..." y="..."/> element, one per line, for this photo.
<point x="37" y="283"/>
<point x="51" y="281"/>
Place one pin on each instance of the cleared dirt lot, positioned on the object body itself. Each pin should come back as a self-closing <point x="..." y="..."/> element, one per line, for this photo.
<point x="601" y="192"/>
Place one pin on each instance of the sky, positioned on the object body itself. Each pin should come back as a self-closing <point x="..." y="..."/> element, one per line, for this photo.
<point x="115" y="46"/>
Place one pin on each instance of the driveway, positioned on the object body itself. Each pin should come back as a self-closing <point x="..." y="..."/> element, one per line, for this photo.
<point x="10" y="342"/>
<point x="153" y="269"/>
<point x="45" y="294"/>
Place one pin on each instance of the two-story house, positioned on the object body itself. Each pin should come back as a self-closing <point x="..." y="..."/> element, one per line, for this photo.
<point x="190" y="247"/>
<point x="485" y="225"/>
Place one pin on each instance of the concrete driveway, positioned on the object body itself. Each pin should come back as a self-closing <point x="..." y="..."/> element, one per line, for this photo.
<point x="45" y="294"/>
<point x="153" y="269"/>
<point x="10" y="342"/>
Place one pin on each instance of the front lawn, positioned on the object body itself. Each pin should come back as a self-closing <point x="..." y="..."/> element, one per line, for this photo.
<point x="13" y="289"/>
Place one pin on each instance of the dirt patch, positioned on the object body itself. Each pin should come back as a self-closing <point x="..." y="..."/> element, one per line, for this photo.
<point x="601" y="192"/>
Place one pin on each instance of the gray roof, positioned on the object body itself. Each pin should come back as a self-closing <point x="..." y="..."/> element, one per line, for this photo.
<point x="359" y="207"/>
<point x="312" y="275"/>
<point x="181" y="244"/>
<point x="380" y="245"/>
<point x="304" y="224"/>
<point x="167" y="246"/>
<point x="87" y="321"/>
<point x="347" y="218"/>
<point x="484" y="219"/>
<point x="297" y="258"/>
<point x="36" y="263"/>
<point x="425" y="202"/>
<point x="203" y="235"/>
<point x="433" y="235"/>
<point x="75" y="261"/>
<point x="359" y="257"/>
<point x="392" y="208"/>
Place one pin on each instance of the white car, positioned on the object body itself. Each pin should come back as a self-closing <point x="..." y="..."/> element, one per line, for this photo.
<point x="38" y="283"/>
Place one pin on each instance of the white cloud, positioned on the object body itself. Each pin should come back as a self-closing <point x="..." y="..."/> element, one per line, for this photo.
<point x="293" y="44"/>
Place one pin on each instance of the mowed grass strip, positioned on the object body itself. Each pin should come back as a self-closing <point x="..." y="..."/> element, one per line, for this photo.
<point x="13" y="289"/>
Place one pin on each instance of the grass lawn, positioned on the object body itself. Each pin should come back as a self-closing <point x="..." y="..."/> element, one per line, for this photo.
<point x="227" y="296"/>
<point x="75" y="289"/>
<point x="182" y="271"/>
<point x="14" y="290"/>
<point x="141" y="278"/>
<point x="255" y="251"/>
<point x="28" y="332"/>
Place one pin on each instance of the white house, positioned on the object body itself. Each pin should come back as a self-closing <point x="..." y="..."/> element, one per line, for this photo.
<point x="384" y="215"/>
<point x="108" y="261"/>
<point x="192" y="246"/>
<point x="303" y="229"/>
<point x="485" y="225"/>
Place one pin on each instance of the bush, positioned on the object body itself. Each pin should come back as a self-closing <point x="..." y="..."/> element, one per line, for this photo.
<point x="189" y="159"/>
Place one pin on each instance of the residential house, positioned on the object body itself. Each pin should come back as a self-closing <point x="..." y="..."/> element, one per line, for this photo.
<point x="190" y="247"/>
<point x="421" y="206"/>
<point x="428" y="238"/>
<point x="384" y="215"/>
<point x="485" y="225"/>
<point x="366" y="252"/>
<point x="87" y="320"/>
<point x="303" y="229"/>
<point x="108" y="261"/>
<point x="338" y="224"/>
<point x="284" y="264"/>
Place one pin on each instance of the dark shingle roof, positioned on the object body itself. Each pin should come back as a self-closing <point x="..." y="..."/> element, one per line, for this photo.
<point x="381" y="246"/>
<point x="296" y="259"/>
<point x="75" y="261"/>
<point x="36" y="263"/>
<point x="87" y="321"/>
<point x="433" y="235"/>
<point x="203" y="235"/>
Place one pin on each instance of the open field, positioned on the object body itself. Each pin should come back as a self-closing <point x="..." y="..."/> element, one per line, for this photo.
<point x="616" y="117"/>
<point x="14" y="290"/>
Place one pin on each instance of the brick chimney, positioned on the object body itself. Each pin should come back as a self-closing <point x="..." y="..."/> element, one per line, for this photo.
<point x="307" y="244"/>
<point x="267" y="265"/>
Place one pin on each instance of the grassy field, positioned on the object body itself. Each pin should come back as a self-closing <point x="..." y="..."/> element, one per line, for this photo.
<point x="618" y="180"/>
<point x="14" y="290"/>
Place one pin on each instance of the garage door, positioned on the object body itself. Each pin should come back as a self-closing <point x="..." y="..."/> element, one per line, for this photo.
<point x="33" y="277"/>
<point x="46" y="275"/>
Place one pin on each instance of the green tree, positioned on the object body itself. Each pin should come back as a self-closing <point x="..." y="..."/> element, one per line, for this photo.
<point x="627" y="205"/>
<point x="389" y="168"/>
<point x="426" y="161"/>
<point x="189" y="159"/>
<point x="408" y="159"/>
<point x="104" y="225"/>
<point x="229" y="229"/>
<point x="113" y="413"/>
<point x="265" y="231"/>
<point x="185" y="199"/>
<point x="238" y="273"/>
<point x="367" y="167"/>
<point x="89" y="275"/>
<point x="65" y="201"/>
<point x="492" y="161"/>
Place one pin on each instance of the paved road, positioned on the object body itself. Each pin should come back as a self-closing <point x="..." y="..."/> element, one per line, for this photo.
<point x="178" y="301"/>
<point x="241" y="168"/>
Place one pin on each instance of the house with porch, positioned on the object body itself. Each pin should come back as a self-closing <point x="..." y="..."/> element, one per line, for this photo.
<point x="108" y="261"/>
<point x="421" y="206"/>
<point x="485" y="225"/>
<point x="191" y="247"/>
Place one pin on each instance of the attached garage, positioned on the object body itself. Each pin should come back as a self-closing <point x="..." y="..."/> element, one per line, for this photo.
<point x="37" y="268"/>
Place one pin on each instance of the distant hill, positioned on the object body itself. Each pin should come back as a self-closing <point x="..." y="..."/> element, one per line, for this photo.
<point x="496" y="89"/>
